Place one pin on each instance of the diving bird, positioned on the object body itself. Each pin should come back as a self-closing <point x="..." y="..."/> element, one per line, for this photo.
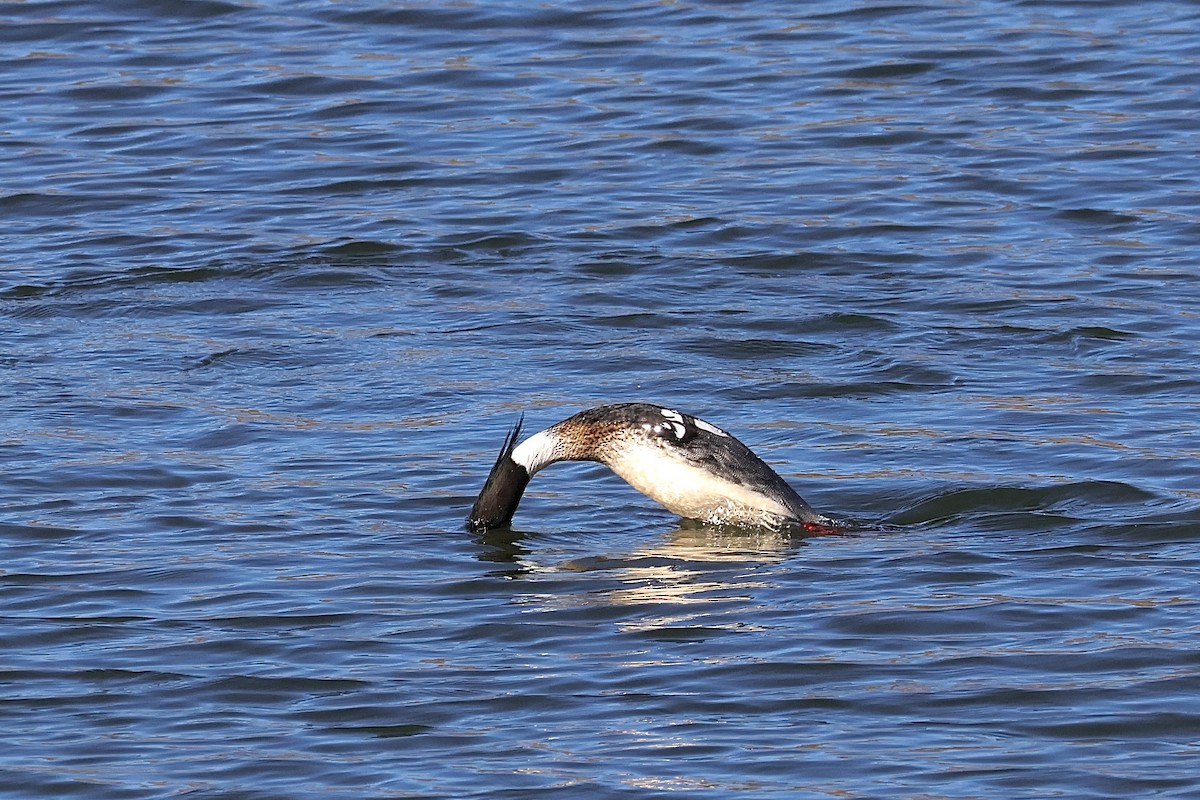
<point x="689" y="466"/>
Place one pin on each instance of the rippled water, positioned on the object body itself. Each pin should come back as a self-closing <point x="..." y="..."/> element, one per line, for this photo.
<point x="277" y="277"/>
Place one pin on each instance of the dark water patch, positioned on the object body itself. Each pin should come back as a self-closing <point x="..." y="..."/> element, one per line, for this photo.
<point x="848" y="323"/>
<point x="105" y="281"/>
<point x="1097" y="216"/>
<point x="383" y="731"/>
<point x="888" y="71"/>
<point x="1100" y="332"/>
<point x="213" y="358"/>
<point x="60" y="204"/>
<point x="824" y="388"/>
<point x="506" y="245"/>
<point x="184" y="9"/>
<point x="314" y="85"/>
<point x="240" y="358"/>
<point x="682" y="146"/>
<point x="124" y="92"/>
<point x="617" y="266"/>
<point x="438" y="20"/>
<point x="774" y="264"/>
<point x="368" y="250"/>
<point x="34" y="203"/>
<point x="1154" y="529"/>
<point x="756" y="348"/>
<point x="1059" y="501"/>
<point x="635" y="321"/>
<point x="115" y="476"/>
<point x="35" y="532"/>
<point x="1154" y="726"/>
<point x="1144" y="385"/>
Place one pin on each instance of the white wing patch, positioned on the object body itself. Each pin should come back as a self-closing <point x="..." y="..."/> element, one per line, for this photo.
<point x="704" y="426"/>
<point x="678" y="423"/>
<point x="675" y="422"/>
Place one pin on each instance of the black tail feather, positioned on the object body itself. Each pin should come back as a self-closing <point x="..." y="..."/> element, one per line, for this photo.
<point x="502" y="491"/>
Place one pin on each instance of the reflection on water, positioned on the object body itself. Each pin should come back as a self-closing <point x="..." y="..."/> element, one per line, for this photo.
<point x="686" y="585"/>
<point x="688" y="541"/>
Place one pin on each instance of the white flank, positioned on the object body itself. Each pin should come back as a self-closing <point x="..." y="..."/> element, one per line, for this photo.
<point x="693" y="492"/>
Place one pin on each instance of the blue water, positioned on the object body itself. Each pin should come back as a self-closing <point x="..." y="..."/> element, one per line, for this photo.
<point x="278" y="277"/>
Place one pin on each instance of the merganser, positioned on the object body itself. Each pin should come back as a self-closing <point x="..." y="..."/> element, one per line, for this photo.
<point x="691" y="467"/>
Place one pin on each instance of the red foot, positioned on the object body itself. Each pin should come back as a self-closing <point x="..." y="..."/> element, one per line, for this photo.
<point x="817" y="529"/>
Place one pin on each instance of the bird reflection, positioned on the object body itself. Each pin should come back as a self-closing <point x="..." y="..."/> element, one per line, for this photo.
<point x="693" y="562"/>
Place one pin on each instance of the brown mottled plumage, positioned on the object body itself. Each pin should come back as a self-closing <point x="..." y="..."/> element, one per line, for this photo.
<point x="689" y="466"/>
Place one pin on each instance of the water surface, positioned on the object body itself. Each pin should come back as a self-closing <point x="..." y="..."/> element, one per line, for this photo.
<point x="277" y="277"/>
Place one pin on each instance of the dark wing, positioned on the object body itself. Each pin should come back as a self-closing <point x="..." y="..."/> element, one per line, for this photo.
<point x="728" y="457"/>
